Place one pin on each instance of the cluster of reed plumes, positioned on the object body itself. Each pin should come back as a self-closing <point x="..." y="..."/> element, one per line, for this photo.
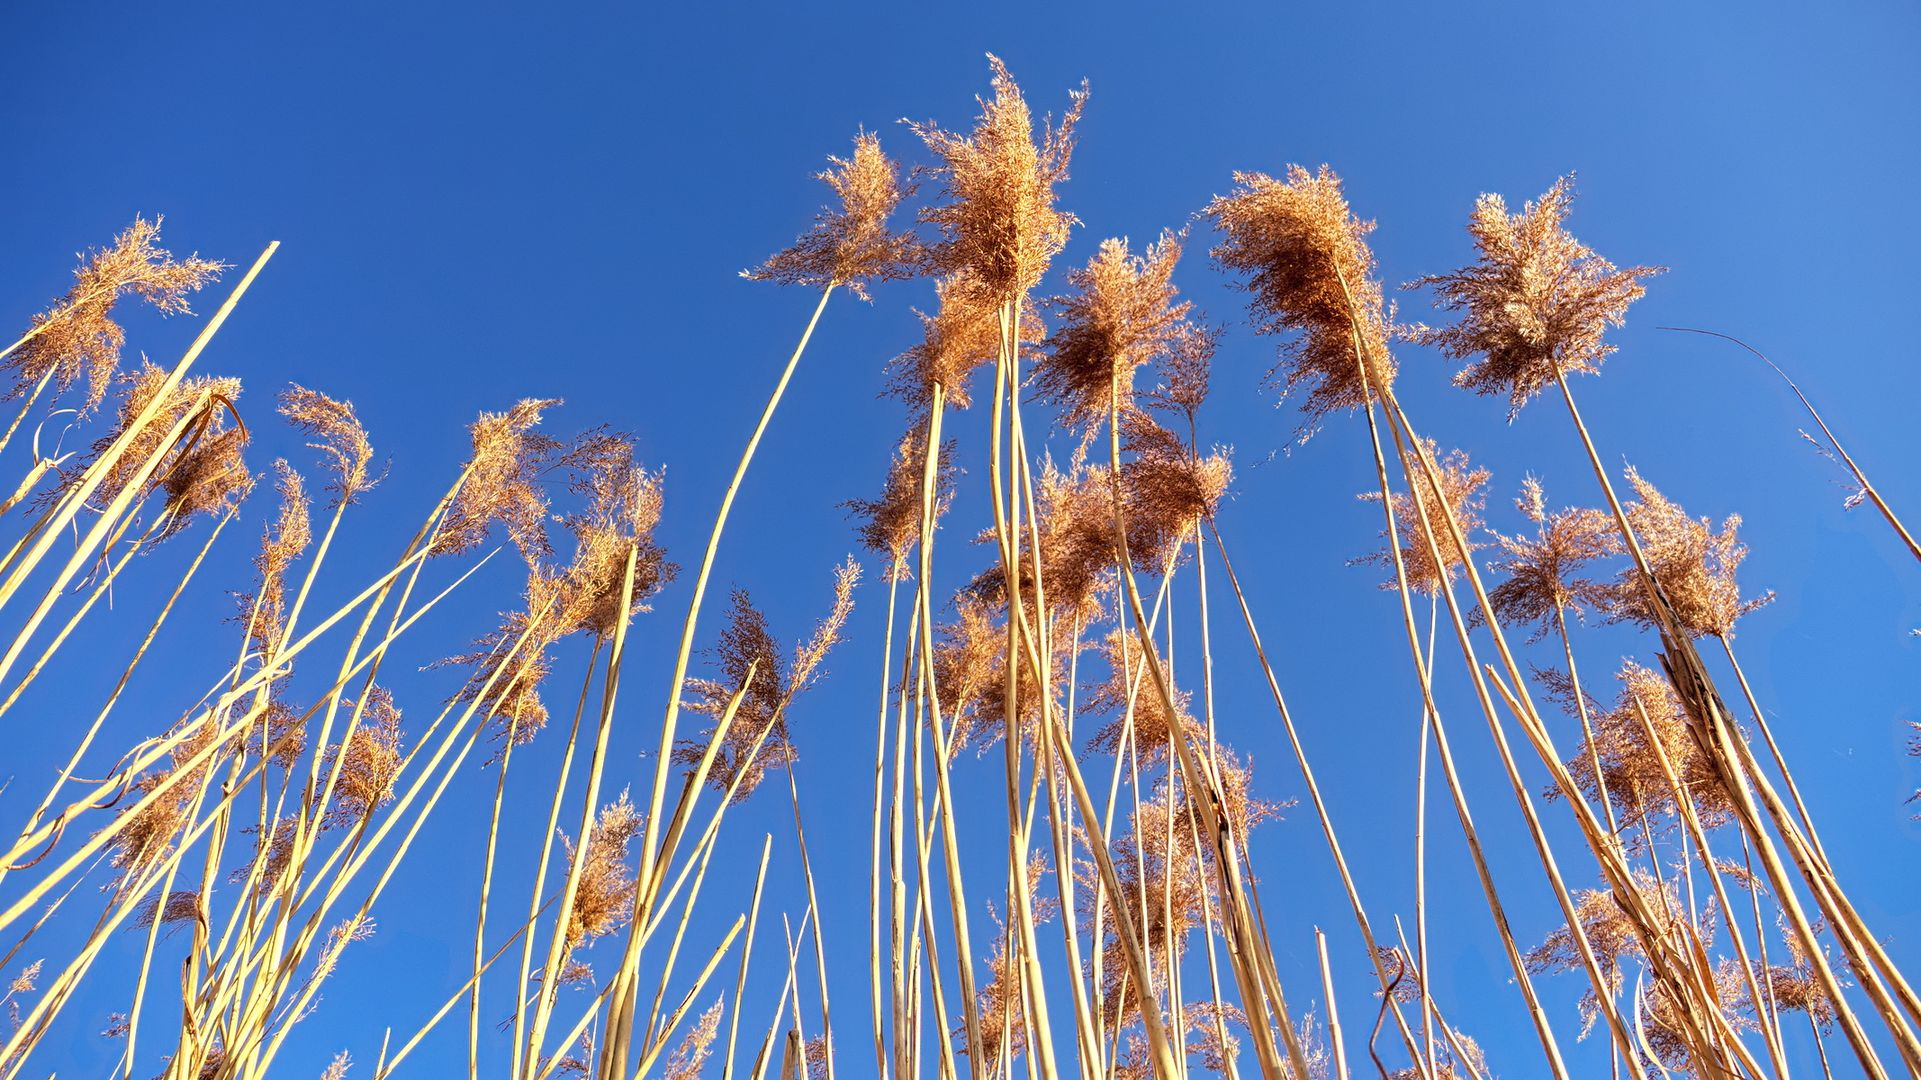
<point x="1128" y="936"/>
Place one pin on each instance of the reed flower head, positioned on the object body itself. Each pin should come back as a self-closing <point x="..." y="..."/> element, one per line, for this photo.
<point x="623" y="507"/>
<point x="1460" y="486"/>
<point x="502" y="483"/>
<point x="1693" y="564"/>
<point x="265" y="609"/>
<point x="691" y="1055"/>
<point x="507" y="666"/>
<point x="342" y="439"/>
<point x="1309" y="272"/>
<point x="970" y="674"/>
<point x="891" y="524"/>
<point x="1631" y="762"/>
<point x="604" y="897"/>
<point x="1074" y="518"/>
<point x="852" y="245"/>
<point x="201" y="471"/>
<point x="148" y="836"/>
<point x="758" y="738"/>
<point x="1535" y="303"/>
<point x="1610" y="933"/>
<point x="1121" y="314"/>
<point x="76" y="339"/>
<point x="1130" y="692"/>
<point x="1542" y="585"/>
<point x="368" y="759"/>
<point x="280" y="737"/>
<point x="1169" y="487"/>
<point x="963" y="334"/>
<point x="1795" y="988"/>
<point x="1000" y="225"/>
<point x="1166" y="892"/>
<point x="998" y="1001"/>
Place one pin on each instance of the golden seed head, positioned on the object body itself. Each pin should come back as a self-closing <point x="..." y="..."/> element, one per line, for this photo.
<point x="1542" y="585"/>
<point x="746" y="646"/>
<point x="1631" y="762"/>
<point x="201" y="471"/>
<point x="1307" y="268"/>
<point x="623" y="507"/>
<point x="891" y="524"/>
<point x="691" y="1055"/>
<point x="1460" y="486"/>
<point x="1129" y="692"/>
<point x="604" y="898"/>
<point x="1693" y="564"/>
<point x="1000" y="225"/>
<point x="851" y="245"/>
<point x="1535" y="301"/>
<point x="1169" y="487"/>
<point x="369" y="761"/>
<point x="342" y="438"/>
<point x="502" y="483"/>
<point x="1121" y="315"/>
<point x="76" y="339"/>
<point x="963" y="334"/>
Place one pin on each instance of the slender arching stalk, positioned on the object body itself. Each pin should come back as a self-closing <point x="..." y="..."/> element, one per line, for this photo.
<point x="620" y="1011"/>
<point x="1868" y="489"/>
<point x="873" y="874"/>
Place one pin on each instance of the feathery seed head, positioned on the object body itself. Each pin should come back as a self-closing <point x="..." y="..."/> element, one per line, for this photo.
<point x="1460" y="486"/>
<point x="624" y="504"/>
<point x="341" y="437"/>
<point x="369" y="761"/>
<point x="963" y="334"/>
<point x="852" y="245"/>
<point x="1693" y="564"/>
<point x="603" y="900"/>
<point x="76" y="339"/>
<point x="891" y="524"/>
<point x="1121" y="315"/>
<point x="502" y="483"/>
<point x="1631" y="763"/>
<point x="1541" y="584"/>
<point x="1536" y="300"/>
<point x="1309" y="272"/>
<point x="1000" y="225"/>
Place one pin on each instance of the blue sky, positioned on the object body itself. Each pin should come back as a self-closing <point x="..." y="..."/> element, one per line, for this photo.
<point x="480" y="203"/>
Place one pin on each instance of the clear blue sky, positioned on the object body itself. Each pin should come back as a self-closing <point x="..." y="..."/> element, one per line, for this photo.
<point x="479" y="204"/>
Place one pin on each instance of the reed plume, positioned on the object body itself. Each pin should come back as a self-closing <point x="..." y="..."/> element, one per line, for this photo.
<point x="1693" y="564"/>
<point x="502" y="483"/>
<point x="341" y="438"/>
<point x="603" y="899"/>
<point x="1306" y="265"/>
<point x="851" y="246"/>
<point x="1632" y="776"/>
<point x="890" y="525"/>
<point x="1543" y="585"/>
<point x="1000" y="226"/>
<point x="1460" y="486"/>
<point x="747" y="647"/>
<point x="368" y="761"/>
<point x="1121" y="315"/>
<point x="1536" y="302"/>
<point x="76" y="340"/>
